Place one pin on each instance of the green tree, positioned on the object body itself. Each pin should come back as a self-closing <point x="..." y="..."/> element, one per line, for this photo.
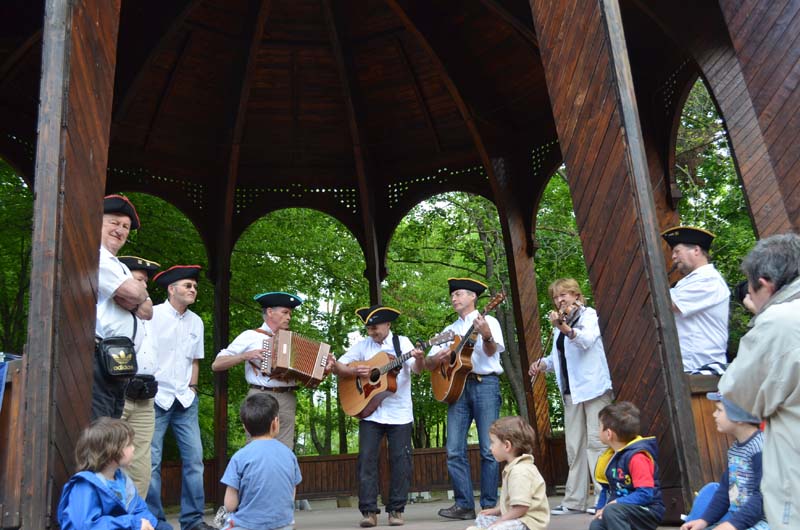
<point x="16" y="219"/>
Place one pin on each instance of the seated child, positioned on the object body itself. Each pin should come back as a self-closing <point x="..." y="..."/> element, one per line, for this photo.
<point x="100" y="495"/>
<point x="627" y="472"/>
<point x="262" y="476"/>
<point x="737" y="504"/>
<point x="523" y="501"/>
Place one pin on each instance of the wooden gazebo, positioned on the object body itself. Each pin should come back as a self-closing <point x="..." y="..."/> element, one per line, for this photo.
<point x="230" y="109"/>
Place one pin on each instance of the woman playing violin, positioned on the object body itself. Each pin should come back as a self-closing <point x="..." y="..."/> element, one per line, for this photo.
<point x="579" y="362"/>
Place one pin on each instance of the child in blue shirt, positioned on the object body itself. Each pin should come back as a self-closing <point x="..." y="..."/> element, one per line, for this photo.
<point x="101" y="496"/>
<point x="262" y="476"/>
<point x="737" y="503"/>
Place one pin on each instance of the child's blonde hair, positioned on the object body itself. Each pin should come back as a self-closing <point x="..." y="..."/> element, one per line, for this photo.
<point x="516" y="430"/>
<point x="102" y="443"/>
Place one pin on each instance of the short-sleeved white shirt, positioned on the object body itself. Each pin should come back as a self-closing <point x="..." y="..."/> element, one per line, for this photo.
<point x="703" y="300"/>
<point x="146" y="356"/>
<point x="482" y="364"/>
<point x="253" y="340"/>
<point x="179" y="338"/>
<point x="396" y="409"/>
<point x="113" y="320"/>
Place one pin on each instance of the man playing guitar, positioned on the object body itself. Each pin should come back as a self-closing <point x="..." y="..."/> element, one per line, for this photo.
<point x="393" y="418"/>
<point x="480" y="400"/>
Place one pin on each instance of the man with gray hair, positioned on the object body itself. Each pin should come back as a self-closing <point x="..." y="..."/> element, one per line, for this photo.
<point x="764" y="379"/>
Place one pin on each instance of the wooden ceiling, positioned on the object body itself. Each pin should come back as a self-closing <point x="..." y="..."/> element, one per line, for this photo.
<point x="304" y="103"/>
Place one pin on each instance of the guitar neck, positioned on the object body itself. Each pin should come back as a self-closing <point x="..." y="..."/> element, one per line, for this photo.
<point x="398" y="361"/>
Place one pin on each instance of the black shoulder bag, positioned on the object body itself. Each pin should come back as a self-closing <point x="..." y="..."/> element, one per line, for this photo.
<point x="117" y="355"/>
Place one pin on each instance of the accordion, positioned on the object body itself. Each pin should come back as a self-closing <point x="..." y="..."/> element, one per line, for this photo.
<point x="289" y="355"/>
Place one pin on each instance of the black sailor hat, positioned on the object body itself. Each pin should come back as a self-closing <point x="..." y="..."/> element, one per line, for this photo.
<point x="177" y="273"/>
<point x="466" y="283"/>
<point x="135" y="263"/>
<point x="278" y="299"/>
<point x="123" y="206"/>
<point x="688" y="235"/>
<point x="377" y="314"/>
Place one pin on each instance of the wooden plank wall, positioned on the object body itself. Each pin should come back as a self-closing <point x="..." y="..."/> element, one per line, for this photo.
<point x="701" y="29"/>
<point x="79" y="57"/>
<point x="11" y="421"/>
<point x="588" y="78"/>
<point x="766" y="38"/>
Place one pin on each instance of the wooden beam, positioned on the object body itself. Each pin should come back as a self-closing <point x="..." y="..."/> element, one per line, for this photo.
<point x="364" y="168"/>
<point x="222" y="246"/>
<point x="515" y="236"/>
<point x="166" y="39"/>
<point x="522" y="29"/>
<point x="78" y="63"/>
<point x="601" y="139"/>
<point x="426" y="112"/>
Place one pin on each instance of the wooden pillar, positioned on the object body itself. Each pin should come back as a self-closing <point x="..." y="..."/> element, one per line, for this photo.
<point x="517" y="236"/>
<point x="365" y="168"/>
<point x="588" y="76"/>
<point x="258" y="11"/>
<point x="78" y="62"/>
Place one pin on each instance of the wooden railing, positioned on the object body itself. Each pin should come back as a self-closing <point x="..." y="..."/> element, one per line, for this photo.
<point x="336" y="475"/>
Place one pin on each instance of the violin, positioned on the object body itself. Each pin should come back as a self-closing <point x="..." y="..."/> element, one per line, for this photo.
<point x="567" y="315"/>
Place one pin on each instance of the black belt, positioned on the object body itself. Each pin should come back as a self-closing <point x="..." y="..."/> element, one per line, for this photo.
<point x="478" y="377"/>
<point x="276" y="389"/>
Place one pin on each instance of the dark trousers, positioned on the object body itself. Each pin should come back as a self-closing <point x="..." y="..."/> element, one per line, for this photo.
<point x="398" y="438"/>
<point x="625" y="517"/>
<point x="108" y="394"/>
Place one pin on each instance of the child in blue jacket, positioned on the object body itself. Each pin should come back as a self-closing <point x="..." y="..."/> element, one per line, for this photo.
<point x="627" y="472"/>
<point x="100" y="496"/>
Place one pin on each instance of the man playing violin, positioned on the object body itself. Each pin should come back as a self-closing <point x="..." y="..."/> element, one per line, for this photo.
<point x="579" y="362"/>
<point x="480" y="400"/>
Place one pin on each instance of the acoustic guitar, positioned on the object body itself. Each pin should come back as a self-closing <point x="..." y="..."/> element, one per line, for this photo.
<point x="360" y="396"/>
<point x="449" y="378"/>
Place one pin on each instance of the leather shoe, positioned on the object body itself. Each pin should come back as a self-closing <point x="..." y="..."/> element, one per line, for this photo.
<point x="369" y="520"/>
<point x="457" y="512"/>
<point x="203" y="526"/>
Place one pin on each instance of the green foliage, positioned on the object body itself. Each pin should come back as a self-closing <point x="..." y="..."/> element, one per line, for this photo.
<point x="16" y="220"/>
<point x="712" y="193"/>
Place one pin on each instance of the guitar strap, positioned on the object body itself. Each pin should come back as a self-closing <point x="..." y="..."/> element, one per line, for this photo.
<point x="396" y="343"/>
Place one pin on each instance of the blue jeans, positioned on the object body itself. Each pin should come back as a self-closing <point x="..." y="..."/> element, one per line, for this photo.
<point x="480" y="402"/>
<point x="186" y="429"/>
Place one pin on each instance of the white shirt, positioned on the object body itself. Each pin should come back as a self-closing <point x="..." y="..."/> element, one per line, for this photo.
<point x="253" y="340"/>
<point x="587" y="368"/>
<point x="146" y="356"/>
<point x="482" y="364"/>
<point x="703" y="300"/>
<point x="397" y="408"/>
<point x="180" y="341"/>
<point x="113" y="320"/>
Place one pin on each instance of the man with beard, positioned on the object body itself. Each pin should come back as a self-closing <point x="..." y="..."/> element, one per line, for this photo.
<point x="700" y="300"/>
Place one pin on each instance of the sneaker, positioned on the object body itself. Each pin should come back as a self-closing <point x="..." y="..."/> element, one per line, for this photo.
<point x="220" y="517"/>
<point x="396" y="519"/>
<point x="369" y="520"/>
<point x="563" y="510"/>
<point x="591" y="511"/>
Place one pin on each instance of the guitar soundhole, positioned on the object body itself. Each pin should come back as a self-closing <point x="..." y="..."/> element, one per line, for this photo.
<point x="374" y="375"/>
<point x="452" y="358"/>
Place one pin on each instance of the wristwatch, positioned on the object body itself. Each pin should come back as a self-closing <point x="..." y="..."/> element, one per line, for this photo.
<point x="489" y="339"/>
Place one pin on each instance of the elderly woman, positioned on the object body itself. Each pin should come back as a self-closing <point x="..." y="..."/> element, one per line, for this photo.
<point x="579" y="362"/>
